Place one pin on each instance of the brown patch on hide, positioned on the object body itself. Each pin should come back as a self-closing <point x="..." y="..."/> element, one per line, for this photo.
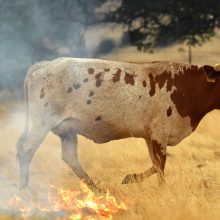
<point x="42" y="93"/>
<point x="193" y="96"/>
<point x="91" y="93"/>
<point x="85" y="80"/>
<point x="169" y="111"/>
<point x="88" y="102"/>
<point x="116" y="76"/>
<point x="76" y="86"/>
<point x="161" y="79"/>
<point x="156" y="144"/>
<point x="91" y="71"/>
<point x="98" y="79"/>
<point x="129" y="78"/>
<point x="144" y="83"/>
<point x="152" y="85"/>
<point x="107" y="69"/>
<point x="99" y="118"/>
<point x="69" y="90"/>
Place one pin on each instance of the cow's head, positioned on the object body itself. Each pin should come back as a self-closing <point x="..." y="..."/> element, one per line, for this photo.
<point x="211" y="72"/>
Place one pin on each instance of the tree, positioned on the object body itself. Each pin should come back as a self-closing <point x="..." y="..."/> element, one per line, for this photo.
<point x="155" y="23"/>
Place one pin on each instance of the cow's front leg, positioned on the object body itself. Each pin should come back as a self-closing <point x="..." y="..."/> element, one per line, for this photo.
<point x="70" y="156"/>
<point x="158" y="156"/>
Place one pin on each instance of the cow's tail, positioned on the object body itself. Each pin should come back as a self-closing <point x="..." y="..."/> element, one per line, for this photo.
<point x="26" y="106"/>
<point x="26" y="125"/>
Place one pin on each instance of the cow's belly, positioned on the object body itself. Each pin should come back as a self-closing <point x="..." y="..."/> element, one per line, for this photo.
<point x="98" y="130"/>
<point x="101" y="133"/>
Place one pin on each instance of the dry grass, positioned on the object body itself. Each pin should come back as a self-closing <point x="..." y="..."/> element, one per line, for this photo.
<point x="192" y="172"/>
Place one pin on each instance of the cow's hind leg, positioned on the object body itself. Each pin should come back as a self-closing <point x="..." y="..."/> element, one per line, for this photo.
<point x="27" y="145"/>
<point x="70" y="155"/>
<point x="158" y="157"/>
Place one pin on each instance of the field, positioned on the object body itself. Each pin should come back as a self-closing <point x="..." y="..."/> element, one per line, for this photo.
<point x="192" y="189"/>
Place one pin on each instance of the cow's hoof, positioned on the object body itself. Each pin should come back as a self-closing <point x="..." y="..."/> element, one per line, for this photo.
<point x="129" y="179"/>
<point x="161" y="184"/>
<point x="23" y="185"/>
<point x="95" y="189"/>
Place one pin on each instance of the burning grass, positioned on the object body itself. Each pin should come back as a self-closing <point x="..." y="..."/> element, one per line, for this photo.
<point x="70" y="204"/>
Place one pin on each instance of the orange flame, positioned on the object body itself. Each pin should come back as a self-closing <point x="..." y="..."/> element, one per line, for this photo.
<point x="86" y="205"/>
<point x="77" y="205"/>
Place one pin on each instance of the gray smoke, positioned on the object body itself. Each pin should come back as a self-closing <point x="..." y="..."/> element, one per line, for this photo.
<point x="35" y="30"/>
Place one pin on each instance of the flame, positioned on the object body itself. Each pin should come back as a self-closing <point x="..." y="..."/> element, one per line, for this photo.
<point x="86" y="203"/>
<point x="76" y="205"/>
<point x="16" y="203"/>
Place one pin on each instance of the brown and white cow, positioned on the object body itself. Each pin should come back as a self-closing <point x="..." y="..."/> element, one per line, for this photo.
<point x="162" y="102"/>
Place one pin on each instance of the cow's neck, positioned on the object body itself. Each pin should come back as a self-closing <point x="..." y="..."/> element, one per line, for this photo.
<point x="194" y="96"/>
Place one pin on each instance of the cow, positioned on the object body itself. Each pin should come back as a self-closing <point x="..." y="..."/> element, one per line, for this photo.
<point x="161" y="101"/>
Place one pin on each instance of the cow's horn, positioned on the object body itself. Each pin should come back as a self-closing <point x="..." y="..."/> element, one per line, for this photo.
<point x="217" y="67"/>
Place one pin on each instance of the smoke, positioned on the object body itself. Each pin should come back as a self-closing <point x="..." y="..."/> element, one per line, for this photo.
<point x="31" y="31"/>
<point x="18" y="34"/>
<point x="109" y="38"/>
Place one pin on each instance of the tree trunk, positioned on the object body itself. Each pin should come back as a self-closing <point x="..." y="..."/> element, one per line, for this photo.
<point x="190" y="54"/>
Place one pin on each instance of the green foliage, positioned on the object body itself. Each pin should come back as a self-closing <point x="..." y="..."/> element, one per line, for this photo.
<point x="155" y="23"/>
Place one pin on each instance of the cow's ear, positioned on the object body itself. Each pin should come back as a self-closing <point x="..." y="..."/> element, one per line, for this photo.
<point x="212" y="72"/>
